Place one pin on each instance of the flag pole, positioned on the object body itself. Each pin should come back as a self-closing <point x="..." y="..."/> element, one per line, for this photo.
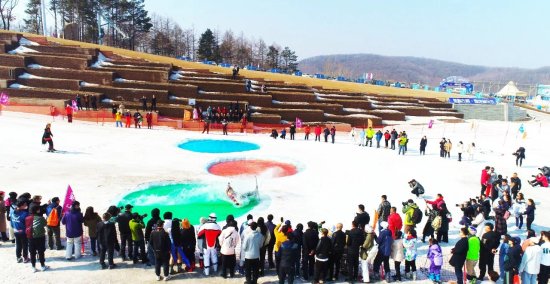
<point x="505" y="136"/>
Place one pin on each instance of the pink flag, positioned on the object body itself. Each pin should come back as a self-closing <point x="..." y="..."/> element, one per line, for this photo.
<point x="75" y="106"/>
<point x="298" y="123"/>
<point x="69" y="198"/>
<point x="4" y="99"/>
<point x="431" y="124"/>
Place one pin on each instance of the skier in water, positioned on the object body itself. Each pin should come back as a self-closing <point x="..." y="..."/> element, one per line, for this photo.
<point x="231" y="194"/>
<point x="47" y="137"/>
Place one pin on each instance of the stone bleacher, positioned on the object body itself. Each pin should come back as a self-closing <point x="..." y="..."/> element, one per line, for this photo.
<point x="60" y="72"/>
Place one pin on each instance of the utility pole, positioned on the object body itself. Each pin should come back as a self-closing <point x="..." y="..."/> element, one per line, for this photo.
<point x="44" y="26"/>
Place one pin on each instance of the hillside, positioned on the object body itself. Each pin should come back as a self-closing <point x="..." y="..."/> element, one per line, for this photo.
<point x="415" y="69"/>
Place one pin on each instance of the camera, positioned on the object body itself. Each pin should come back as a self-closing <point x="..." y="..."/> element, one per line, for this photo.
<point x="143" y="216"/>
<point x="322" y="222"/>
<point x="405" y="203"/>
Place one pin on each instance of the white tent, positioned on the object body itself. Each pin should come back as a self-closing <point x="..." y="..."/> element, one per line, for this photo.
<point x="510" y="90"/>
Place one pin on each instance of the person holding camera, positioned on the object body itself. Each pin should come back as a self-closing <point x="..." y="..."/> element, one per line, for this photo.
<point x="520" y="155"/>
<point x="539" y="180"/>
<point x="417" y="188"/>
<point x="411" y="211"/>
<point x="136" y="228"/>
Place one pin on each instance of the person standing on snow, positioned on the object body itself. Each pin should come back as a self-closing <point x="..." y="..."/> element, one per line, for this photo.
<point x="318" y="133"/>
<point x="78" y="102"/>
<point x="423" y="144"/>
<point x="378" y="138"/>
<point x="137" y="118"/>
<point x="107" y="239"/>
<point x="402" y="144"/>
<point x="327" y="133"/>
<point x="515" y="183"/>
<point x="369" y="133"/>
<point x="356" y="238"/>
<point x="35" y="230"/>
<point x="228" y="239"/>
<point x="307" y="131"/>
<point x="384" y="241"/>
<point x="362" y="137"/>
<point x="448" y="147"/>
<point x="149" y="118"/>
<point x="352" y="135"/>
<point x="128" y="116"/>
<point x="471" y="151"/>
<point x="210" y="232"/>
<point x="73" y="221"/>
<point x="485" y="179"/>
<point x="332" y="133"/>
<point x="408" y="210"/>
<point x="460" y="150"/>
<point x="442" y="153"/>
<point x="17" y="222"/>
<point x="384" y="210"/>
<point x="393" y="138"/>
<point x="530" y="263"/>
<point x="69" y="111"/>
<point x="459" y="254"/>
<point x="161" y="245"/>
<point x="292" y="130"/>
<point x="153" y="103"/>
<point x="47" y="137"/>
<point x="93" y="100"/>
<point x="395" y="223"/>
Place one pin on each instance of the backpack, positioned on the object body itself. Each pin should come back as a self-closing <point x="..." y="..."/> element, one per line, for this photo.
<point x="436" y="223"/>
<point x="53" y="218"/>
<point x="416" y="216"/>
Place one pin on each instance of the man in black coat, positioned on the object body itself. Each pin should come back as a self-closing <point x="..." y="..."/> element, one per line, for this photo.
<point x="94" y="104"/>
<point x="322" y="252"/>
<point x="125" y="232"/>
<point x="78" y="102"/>
<point x="160" y="242"/>
<point x="488" y="248"/>
<point x="459" y="254"/>
<point x="106" y="237"/>
<point x="515" y="183"/>
<point x="144" y="102"/>
<point x="338" y="244"/>
<point x="311" y="238"/>
<point x="356" y="238"/>
<point x="292" y="131"/>
<point x="362" y="217"/>
<point x="154" y="103"/>
<point x="289" y="254"/>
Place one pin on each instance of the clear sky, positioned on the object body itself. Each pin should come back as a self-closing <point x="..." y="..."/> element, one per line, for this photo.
<point x="505" y="33"/>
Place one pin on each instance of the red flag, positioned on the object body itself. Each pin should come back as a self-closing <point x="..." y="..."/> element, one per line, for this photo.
<point x="69" y="198"/>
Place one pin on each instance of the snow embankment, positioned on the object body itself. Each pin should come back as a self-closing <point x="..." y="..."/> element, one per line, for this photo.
<point x="22" y="50"/>
<point x="25" y="41"/>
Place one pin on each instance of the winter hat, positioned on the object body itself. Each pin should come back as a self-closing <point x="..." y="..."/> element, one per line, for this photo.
<point x="202" y="220"/>
<point x="368" y="229"/>
<point x="384" y="225"/>
<point x="167" y="215"/>
<point x="212" y="217"/>
<point x="75" y="203"/>
<point x="287" y="222"/>
<point x="472" y="230"/>
<point x="13" y="195"/>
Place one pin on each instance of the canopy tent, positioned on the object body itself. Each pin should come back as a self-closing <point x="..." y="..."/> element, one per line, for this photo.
<point x="510" y="90"/>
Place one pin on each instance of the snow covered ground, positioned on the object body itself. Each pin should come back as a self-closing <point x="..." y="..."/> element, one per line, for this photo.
<point x="103" y="162"/>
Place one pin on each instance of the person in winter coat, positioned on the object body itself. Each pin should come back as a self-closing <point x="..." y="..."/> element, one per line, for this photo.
<point x="539" y="180"/>
<point x="442" y="153"/>
<point x="149" y="118"/>
<point x="545" y="259"/>
<point x="500" y="223"/>
<point x="326" y="132"/>
<point x="353" y="136"/>
<point x="292" y="131"/>
<point x="73" y="220"/>
<point x="106" y="237"/>
<point x="228" y="239"/>
<point x="436" y="260"/>
<point x="209" y="232"/>
<point x="378" y="138"/>
<point x="417" y="188"/>
<point x="520" y="155"/>
<point x="488" y="248"/>
<point x="394" y="135"/>
<point x="387" y="137"/>
<point x="160" y="243"/>
<point x="123" y="221"/>
<point x="322" y="252"/>
<point x="518" y="208"/>
<point x="428" y="228"/>
<point x="384" y="210"/>
<point x="409" y="246"/>
<point x="136" y="227"/>
<point x="356" y="238"/>
<point x="78" y="102"/>
<point x="337" y="250"/>
<point x="361" y="137"/>
<point x="459" y="254"/>
<point x="93" y="99"/>
<point x="443" y="231"/>
<point x="128" y="117"/>
<point x="189" y="242"/>
<point x="155" y="216"/>
<point x="137" y="119"/>
<point x="369" y="133"/>
<point x="531" y="262"/>
<point x="288" y="254"/>
<point x="3" y="227"/>
<point x="35" y="226"/>
<point x="384" y="242"/>
<point x="485" y="179"/>
<point x="402" y="143"/>
<point x="318" y="133"/>
<point x="423" y="144"/>
<point x="69" y="111"/>
<point x="530" y="212"/>
<point x="362" y="217"/>
<point x="473" y="254"/>
<point x="332" y="133"/>
<point x="91" y="219"/>
<point x="479" y="221"/>
<point x="366" y="253"/>
<point x="408" y="210"/>
<point x="311" y="239"/>
<point x="270" y="247"/>
<point x="394" y="221"/>
<point x="251" y="247"/>
<point x="48" y="137"/>
<point x="307" y="131"/>
<point x="515" y="184"/>
<point x="266" y="239"/>
<point x="460" y="150"/>
<point x="397" y="255"/>
<point x="53" y="223"/>
<point x="471" y="152"/>
<point x="448" y="147"/>
<point x="512" y="260"/>
<point x="118" y="119"/>
<point x="298" y="233"/>
<point x="280" y="233"/>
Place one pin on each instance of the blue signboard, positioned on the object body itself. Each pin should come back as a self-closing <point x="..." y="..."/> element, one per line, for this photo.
<point x="426" y="88"/>
<point x="341" y="79"/>
<point x="462" y="92"/>
<point x="226" y="65"/>
<point x="544" y="90"/>
<point x="320" y="76"/>
<point x="274" y="71"/>
<point x="472" y="101"/>
<point x="362" y="81"/>
<point x="398" y="85"/>
<point x="449" y="91"/>
<point x="297" y="73"/>
<point x="479" y="95"/>
<point x="416" y="87"/>
<point x="436" y="89"/>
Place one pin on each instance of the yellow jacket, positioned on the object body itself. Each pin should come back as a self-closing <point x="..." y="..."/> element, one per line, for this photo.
<point x="280" y="237"/>
<point x="448" y="147"/>
<point x="118" y="116"/>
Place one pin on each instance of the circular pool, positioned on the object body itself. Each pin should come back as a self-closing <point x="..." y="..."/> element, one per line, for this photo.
<point x="217" y="146"/>
<point x="190" y="200"/>
<point x="265" y="168"/>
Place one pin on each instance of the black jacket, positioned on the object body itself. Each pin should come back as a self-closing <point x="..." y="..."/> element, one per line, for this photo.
<point x="489" y="241"/>
<point x="124" y="222"/>
<point x="160" y="241"/>
<point x="188" y="239"/>
<point x="292" y="129"/>
<point x="323" y="248"/>
<point x="311" y="238"/>
<point x="114" y="109"/>
<point x="155" y="216"/>
<point x="42" y="207"/>
<point x="338" y="241"/>
<point x="459" y="253"/>
<point x="288" y="252"/>
<point x="106" y="233"/>
<point x="356" y="238"/>
<point x="517" y="184"/>
<point x="514" y="258"/>
<point x="298" y="237"/>
<point x="363" y="219"/>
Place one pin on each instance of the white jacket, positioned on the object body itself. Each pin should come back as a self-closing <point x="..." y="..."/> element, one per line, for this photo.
<point x="530" y="262"/>
<point x="397" y="253"/>
<point x="228" y="239"/>
<point x="545" y="260"/>
<point x="460" y="148"/>
<point x="480" y="222"/>
<point x="471" y="150"/>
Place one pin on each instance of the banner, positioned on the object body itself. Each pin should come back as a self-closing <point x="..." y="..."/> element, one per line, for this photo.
<point x="524" y="134"/>
<point x="472" y="101"/>
<point x="75" y="106"/>
<point x="369" y="122"/>
<point x="431" y="123"/>
<point x="298" y="123"/>
<point x="472" y="126"/>
<point x="521" y="129"/>
<point x="186" y="115"/>
<point x="69" y="198"/>
<point x="4" y="99"/>
<point x="192" y="102"/>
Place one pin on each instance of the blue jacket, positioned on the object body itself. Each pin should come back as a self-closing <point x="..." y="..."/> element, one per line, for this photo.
<point x="384" y="242"/>
<point x="73" y="221"/>
<point x="18" y="221"/>
<point x="379" y="135"/>
<point x="51" y="207"/>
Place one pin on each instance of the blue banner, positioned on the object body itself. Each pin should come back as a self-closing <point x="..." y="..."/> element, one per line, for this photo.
<point x="436" y="89"/>
<point x="449" y="91"/>
<point x="426" y="88"/>
<point x="472" y="101"/>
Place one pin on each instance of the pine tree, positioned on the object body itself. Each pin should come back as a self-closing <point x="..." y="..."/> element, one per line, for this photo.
<point x="289" y="59"/>
<point x="137" y="20"/>
<point x="208" y="47"/>
<point x="33" y="23"/>
<point x="272" y="57"/>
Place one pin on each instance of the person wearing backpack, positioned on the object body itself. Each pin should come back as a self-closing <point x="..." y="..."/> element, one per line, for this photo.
<point x="431" y="226"/>
<point x="413" y="215"/>
<point x="35" y="229"/>
<point x="436" y="260"/>
<point x="53" y="222"/>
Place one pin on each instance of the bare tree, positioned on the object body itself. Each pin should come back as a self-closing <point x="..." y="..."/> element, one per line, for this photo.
<point x="6" y="12"/>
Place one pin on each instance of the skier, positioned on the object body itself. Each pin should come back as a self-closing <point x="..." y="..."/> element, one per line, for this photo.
<point x="47" y="137"/>
<point x="423" y="144"/>
<point x="210" y="232"/>
<point x="69" y="111"/>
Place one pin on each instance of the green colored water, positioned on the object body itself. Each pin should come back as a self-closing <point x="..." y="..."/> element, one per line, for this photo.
<point x="190" y="200"/>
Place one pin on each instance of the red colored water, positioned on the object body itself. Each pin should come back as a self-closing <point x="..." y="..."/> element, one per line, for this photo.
<point x="253" y="167"/>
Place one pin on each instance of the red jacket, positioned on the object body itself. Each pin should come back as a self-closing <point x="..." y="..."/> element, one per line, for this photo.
<point x="69" y="110"/>
<point x="394" y="223"/>
<point x="387" y="136"/>
<point x="318" y="130"/>
<point x="544" y="180"/>
<point x="437" y="202"/>
<point x="149" y="117"/>
<point x="307" y="129"/>
<point x="484" y="177"/>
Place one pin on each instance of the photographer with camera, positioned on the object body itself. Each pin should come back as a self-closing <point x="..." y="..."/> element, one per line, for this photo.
<point x="503" y="188"/>
<point x="136" y="227"/>
<point x="520" y="155"/>
<point x="437" y="203"/>
<point x="485" y="204"/>
<point x="417" y="188"/>
<point x="468" y="213"/>
<point x="413" y="215"/>
<point x="539" y="180"/>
